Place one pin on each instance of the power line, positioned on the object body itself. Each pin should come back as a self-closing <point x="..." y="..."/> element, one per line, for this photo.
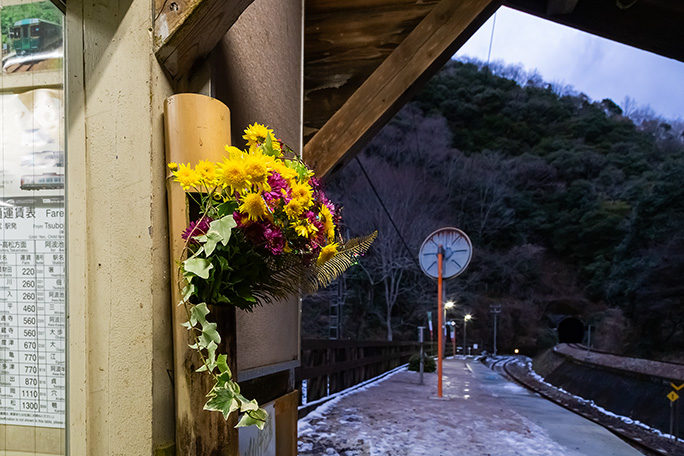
<point x="491" y="39"/>
<point x="377" y="195"/>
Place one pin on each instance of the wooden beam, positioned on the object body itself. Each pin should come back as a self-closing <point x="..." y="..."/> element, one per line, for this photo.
<point x="185" y="31"/>
<point x="426" y="49"/>
<point x="345" y="42"/>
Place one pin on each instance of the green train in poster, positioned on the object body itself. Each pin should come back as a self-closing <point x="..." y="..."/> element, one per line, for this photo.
<point x="30" y="36"/>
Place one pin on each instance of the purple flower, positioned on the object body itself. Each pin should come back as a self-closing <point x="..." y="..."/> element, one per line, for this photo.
<point x="275" y="240"/>
<point x="318" y="194"/>
<point x="265" y="233"/>
<point x="196" y="228"/>
<point x="277" y="184"/>
<point x="310" y="216"/>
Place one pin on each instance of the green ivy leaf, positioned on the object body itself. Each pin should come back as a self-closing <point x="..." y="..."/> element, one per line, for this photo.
<point x="222" y="364"/>
<point x="249" y="406"/>
<point x="188" y="291"/>
<point x="222" y="400"/>
<point x="223" y="378"/>
<point x="256" y="417"/>
<point x="209" y="334"/>
<point x="223" y="227"/>
<point x="211" y="356"/>
<point x="198" y="313"/>
<point x="198" y="266"/>
<point x="210" y="240"/>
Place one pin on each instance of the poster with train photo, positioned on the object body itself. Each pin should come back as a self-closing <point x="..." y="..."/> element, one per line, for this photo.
<point x="33" y="144"/>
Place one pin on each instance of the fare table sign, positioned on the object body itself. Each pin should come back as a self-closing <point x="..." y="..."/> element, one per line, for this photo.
<point x="32" y="315"/>
<point x="32" y="261"/>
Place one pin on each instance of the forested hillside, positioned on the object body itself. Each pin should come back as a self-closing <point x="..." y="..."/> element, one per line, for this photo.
<point x="574" y="207"/>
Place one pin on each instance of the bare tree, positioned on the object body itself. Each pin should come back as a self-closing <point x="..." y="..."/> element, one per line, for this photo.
<point x="402" y="224"/>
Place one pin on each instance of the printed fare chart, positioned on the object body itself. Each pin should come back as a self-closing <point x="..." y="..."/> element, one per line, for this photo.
<point x="32" y="315"/>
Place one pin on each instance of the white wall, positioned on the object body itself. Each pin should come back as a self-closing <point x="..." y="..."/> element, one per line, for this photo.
<point x="120" y="395"/>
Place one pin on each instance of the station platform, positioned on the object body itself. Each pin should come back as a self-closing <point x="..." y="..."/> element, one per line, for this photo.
<point x="480" y="414"/>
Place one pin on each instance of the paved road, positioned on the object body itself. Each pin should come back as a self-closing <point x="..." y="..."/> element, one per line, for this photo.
<point x="481" y="414"/>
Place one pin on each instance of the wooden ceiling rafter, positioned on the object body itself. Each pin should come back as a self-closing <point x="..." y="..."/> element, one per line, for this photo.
<point x="186" y="31"/>
<point x="651" y="25"/>
<point x="426" y="49"/>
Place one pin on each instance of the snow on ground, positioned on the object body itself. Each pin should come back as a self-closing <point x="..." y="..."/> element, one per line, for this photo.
<point x="405" y="418"/>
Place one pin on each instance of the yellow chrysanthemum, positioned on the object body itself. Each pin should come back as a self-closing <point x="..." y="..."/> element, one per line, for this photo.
<point x="287" y="173"/>
<point x="256" y="167"/>
<point x="207" y="171"/>
<point x="231" y="173"/>
<point x="173" y="166"/>
<point x="305" y="229"/>
<point x="294" y="208"/>
<point x="233" y="152"/>
<point x="186" y="176"/>
<point x="327" y="220"/>
<point x="253" y="206"/>
<point x="327" y="253"/>
<point x="256" y="134"/>
<point x="302" y="192"/>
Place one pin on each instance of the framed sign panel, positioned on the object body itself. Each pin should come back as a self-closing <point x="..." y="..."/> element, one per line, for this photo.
<point x="32" y="231"/>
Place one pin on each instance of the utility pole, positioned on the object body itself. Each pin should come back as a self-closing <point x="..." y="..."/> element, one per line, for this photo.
<point x="496" y="310"/>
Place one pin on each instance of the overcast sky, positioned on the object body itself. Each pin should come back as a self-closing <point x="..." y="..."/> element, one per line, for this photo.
<point x="598" y="67"/>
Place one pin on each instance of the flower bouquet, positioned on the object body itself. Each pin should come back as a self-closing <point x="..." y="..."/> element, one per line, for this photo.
<point x="264" y="231"/>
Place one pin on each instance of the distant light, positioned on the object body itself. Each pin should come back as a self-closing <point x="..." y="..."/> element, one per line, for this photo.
<point x="449" y="304"/>
<point x="516" y="351"/>
<point x="467" y="317"/>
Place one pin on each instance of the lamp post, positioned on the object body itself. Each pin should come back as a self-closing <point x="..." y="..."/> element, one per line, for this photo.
<point x="447" y="305"/>
<point x="465" y="324"/>
<point x="496" y="310"/>
<point x="452" y="323"/>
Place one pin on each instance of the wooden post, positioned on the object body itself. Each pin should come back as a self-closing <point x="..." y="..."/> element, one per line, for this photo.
<point x="196" y="127"/>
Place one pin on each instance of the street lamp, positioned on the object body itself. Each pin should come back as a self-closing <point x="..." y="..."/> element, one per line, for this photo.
<point x="465" y="323"/>
<point x="448" y="305"/>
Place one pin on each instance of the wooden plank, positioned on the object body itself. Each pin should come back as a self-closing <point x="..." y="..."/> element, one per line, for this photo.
<point x="286" y="424"/>
<point x="411" y="64"/>
<point x="185" y="31"/>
